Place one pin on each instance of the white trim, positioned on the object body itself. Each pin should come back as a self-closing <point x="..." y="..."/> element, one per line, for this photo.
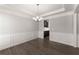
<point x="59" y="11"/>
<point x="64" y="38"/>
<point x="22" y="11"/>
<point x="75" y="8"/>
<point x="60" y="15"/>
<point x="75" y="28"/>
<point x="53" y="12"/>
<point x="75" y="15"/>
<point x="14" y="12"/>
<point x="13" y="39"/>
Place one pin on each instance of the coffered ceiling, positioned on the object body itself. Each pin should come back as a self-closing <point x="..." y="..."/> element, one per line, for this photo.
<point x="43" y="8"/>
<point x="31" y="9"/>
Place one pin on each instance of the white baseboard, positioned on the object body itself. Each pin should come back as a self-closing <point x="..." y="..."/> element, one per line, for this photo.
<point x="65" y="38"/>
<point x="9" y="40"/>
<point x="78" y="41"/>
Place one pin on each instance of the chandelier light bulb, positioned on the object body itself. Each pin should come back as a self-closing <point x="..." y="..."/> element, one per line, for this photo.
<point x="37" y="18"/>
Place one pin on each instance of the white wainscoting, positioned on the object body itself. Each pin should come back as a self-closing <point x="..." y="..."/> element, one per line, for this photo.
<point x="9" y="40"/>
<point x="65" y="38"/>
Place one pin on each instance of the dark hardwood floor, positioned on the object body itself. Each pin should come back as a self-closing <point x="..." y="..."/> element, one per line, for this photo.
<point x="40" y="47"/>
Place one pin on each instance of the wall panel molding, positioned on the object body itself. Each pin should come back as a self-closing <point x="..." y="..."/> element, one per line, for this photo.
<point x="64" y="38"/>
<point x="9" y="40"/>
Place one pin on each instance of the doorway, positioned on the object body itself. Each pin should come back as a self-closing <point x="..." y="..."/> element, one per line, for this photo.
<point x="46" y="29"/>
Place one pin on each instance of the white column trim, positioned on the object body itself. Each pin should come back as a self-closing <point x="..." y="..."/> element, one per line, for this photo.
<point x="75" y="28"/>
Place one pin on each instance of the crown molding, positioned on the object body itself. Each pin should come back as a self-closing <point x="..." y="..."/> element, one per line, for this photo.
<point x="57" y="13"/>
<point x="25" y="12"/>
<point x="75" y="8"/>
<point x="12" y="12"/>
<point x="8" y="9"/>
<point x="53" y="12"/>
<point x="22" y="11"/>
<point x="60" y="15"/>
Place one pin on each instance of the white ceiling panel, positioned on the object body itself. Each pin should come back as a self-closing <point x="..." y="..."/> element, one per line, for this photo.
<point x="31" y="9"/>
<point x="43" y="8"/>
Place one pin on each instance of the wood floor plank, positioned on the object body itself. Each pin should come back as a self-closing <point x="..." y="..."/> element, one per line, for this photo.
<point x="40" y="47"/>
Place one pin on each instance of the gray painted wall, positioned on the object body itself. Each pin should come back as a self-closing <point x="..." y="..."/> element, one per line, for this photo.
<point x="63" y="24"/>
<point x="61" y="30"/>
<point x="16" y="30"/>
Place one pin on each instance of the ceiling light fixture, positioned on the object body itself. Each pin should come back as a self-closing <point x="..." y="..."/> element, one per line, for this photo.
<point x="37" y="18"/>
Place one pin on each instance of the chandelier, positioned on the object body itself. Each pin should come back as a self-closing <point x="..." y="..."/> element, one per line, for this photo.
<point x="37" y="18"/>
